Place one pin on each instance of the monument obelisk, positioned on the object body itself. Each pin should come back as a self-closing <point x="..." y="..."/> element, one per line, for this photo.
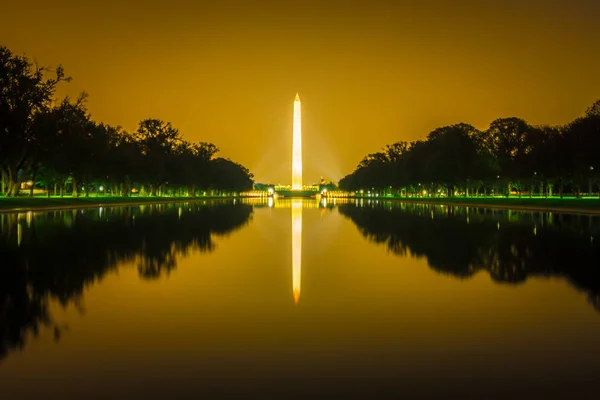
<point x="297" y="147"/>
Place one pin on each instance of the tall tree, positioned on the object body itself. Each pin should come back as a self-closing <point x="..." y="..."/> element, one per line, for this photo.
<point x="158" y="140"/>
<point x="26" y="89"/>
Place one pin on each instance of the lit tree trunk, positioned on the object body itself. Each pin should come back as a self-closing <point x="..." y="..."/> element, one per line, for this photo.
<point x="530" y="191"/>
<point x="75" y="192"/>
<point x="560" y="189"/>
<point x="13" y="189"/>
<point x="86" y="188"/>
<point x="48" y="189"/>
<point x="12" y="183"/>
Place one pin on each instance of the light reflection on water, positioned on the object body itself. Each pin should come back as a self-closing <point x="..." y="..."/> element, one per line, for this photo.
<point x="296" y="247"/>
<point x="192" y="297"/>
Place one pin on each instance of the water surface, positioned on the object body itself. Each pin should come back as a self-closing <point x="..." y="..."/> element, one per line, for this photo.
<point x="298" y="298"/>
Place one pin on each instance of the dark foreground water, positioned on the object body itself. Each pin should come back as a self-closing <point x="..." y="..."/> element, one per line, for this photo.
<point x="297" y="299"/>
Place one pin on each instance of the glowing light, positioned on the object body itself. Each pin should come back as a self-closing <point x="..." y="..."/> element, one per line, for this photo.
<point x="19" y="234"/>
<point x="101" y="188"/>
<point x="270" y="191"/>
<point x="296" y="247"/>
<point x="297" y="147"/>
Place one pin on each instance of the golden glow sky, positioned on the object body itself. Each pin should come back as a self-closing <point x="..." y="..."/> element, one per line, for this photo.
<point x="369" y="73"/>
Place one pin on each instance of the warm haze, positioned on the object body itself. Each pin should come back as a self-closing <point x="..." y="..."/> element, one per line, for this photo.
<point x="368" y="73"/>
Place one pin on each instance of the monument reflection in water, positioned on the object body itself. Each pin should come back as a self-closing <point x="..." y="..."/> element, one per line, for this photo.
<point x="296" y="247"/>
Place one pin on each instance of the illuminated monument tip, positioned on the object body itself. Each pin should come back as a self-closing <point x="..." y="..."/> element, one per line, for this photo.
<point x="297" y="147"/>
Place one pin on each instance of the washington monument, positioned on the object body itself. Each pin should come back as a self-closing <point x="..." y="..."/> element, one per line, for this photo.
<point x="297" y="147"/>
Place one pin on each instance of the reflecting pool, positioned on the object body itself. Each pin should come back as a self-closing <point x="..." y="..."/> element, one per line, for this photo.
<point x="297" y="298"/>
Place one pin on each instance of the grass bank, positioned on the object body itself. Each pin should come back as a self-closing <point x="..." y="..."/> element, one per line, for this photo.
<point x="574" y="205"/>
<point x="10" y="204"/>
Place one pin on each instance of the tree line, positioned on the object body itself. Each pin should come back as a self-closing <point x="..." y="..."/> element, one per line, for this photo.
<point x="55" y="145"/>
<point x="510" y="157"/>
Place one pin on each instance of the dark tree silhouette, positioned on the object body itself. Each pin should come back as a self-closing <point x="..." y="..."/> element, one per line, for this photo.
<point x="510" y="156"/>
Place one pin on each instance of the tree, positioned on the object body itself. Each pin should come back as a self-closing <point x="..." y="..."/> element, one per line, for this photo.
<point x="506" y="140"/>
<point x="26" y="90"/>
<point x="593" y="110"/>
<point x="581" y="142"/>
<point x="157" y="140"/>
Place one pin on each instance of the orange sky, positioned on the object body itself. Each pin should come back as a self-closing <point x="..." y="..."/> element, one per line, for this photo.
<point x="369" y="73"/>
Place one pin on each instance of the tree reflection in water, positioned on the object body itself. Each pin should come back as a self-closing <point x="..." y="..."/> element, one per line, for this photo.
<point x="57" y="254"/>
<point x="510" y="245"/>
